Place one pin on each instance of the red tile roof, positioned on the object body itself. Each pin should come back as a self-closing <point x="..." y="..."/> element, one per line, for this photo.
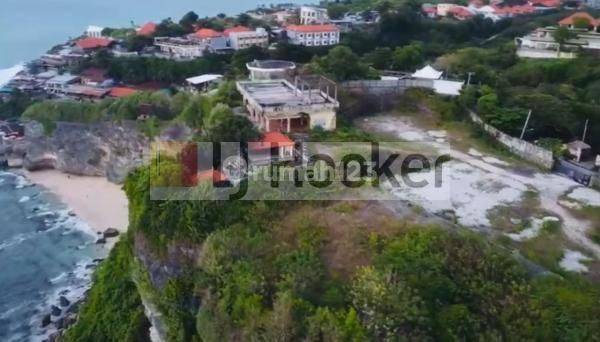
<point x="313" y="28"/>
<point x="121" y="91"/>
<point x="236" y="29"/>
<point x="570" y="20"/>
<point x="94" y="74"/>
<point x="93" y="43"/>
<point x="205" y="33"/>
<point x="461" y="12"/>
<point x="545" y="3"/>
<point x="147" y="29"/>
<point x="215" y="176"/>
<point x="271" y="140"/>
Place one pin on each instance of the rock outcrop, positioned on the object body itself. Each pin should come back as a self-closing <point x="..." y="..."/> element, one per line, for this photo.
<point x="107" y="149"/>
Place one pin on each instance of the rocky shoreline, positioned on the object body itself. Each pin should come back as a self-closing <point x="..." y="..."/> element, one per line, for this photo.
<point x="63" y="314"/>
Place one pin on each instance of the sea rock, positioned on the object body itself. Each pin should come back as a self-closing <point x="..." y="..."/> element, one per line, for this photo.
<point x="111" y="233"/>
<point x="60" y="323"/>
<point x="64" y="301"/>
<point x="46" y="320"/>
<point x="70" y="320"/>
<point x="101" y="241"/>
<point x="55" y="310"/>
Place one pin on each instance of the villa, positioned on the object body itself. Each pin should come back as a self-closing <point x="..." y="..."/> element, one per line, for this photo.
<point x="541" y="43"/>
<point x="280" y="106"/>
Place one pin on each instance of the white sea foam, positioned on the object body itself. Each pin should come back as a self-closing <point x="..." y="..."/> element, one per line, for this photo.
<point x="24" y="199"/>
<point x="8" y="74"/>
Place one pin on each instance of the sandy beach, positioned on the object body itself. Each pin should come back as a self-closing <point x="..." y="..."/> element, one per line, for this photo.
<point x="95" y="200"/>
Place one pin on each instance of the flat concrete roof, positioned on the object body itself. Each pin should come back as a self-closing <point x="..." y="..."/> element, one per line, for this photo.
<point x="279" y="93"/>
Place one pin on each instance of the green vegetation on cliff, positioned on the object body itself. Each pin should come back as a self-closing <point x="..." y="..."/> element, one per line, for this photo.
<point x="113" y="309"/>
<point x="323" y="272"/>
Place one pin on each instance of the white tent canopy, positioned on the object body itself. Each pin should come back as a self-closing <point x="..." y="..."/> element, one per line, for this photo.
<point x="198" y="80"/>
<point x="428" y="72"/>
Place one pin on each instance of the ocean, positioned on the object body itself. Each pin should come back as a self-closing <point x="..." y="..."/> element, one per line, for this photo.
<point x="45" y="253"/>
<point x="31" y="27"/>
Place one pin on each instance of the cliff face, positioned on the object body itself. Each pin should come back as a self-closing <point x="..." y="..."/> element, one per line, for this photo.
<point x="104" y="149"/>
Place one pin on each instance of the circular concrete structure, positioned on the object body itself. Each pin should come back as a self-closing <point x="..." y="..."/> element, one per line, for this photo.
<point x="270" y="69"/>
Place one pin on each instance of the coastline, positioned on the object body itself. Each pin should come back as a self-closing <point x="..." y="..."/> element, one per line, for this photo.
<point x="94" y="200"/>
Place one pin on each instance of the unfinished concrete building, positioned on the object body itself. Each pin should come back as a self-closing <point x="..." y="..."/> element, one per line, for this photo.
<point x="283" y="106"/>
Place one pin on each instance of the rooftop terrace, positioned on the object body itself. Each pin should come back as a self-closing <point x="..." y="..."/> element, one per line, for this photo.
<point x="278" y="93"/>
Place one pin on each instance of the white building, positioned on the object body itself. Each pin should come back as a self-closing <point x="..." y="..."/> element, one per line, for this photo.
<point x="179" y="48"/>
<point x="245" y="39"/>
<point x="313" y="15"/>
<point x="94" y="31"/>
<point x="313" y="35"/>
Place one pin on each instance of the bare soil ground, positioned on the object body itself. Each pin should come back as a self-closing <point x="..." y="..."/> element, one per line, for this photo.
<point x="485" y="179"/>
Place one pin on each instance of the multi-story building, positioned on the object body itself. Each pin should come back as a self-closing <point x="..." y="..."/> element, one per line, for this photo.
<point x="313" y="35"/>
<point x="242" y="37"/>
<point x="282" y="106"/>
<point x="313" y="15"/>
<point x="179" y="48"/>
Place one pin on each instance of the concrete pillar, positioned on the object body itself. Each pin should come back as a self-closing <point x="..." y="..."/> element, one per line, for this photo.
<point x="289" y="125"/>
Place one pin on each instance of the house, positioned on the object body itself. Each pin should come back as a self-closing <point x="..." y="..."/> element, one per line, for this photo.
<point x="90" y="44"/>
<point x="147" y="29"/>
<point x="202" y="83"/>
<point x="121" y="92"/>
<point x="541" y="43"/>
<point x="273" y="147"/>
<point x="282" y="17"/>
<point x="93" y="76"/>
<point x="94" y="31"/>
<point x="579" y="149"/>
<point x="213" y="41"/>
<point x="460" y="13"/>
<point x="240" y="37"/>
<point x="179" y="48"/>
<point x="429" y="10"/>
<point x="544" y="4"/>
<point x="580" y="18"/>
<point x="278" y="105"/>
<point x="444" y="9"/>
<point x="313" y="35"/>
<point x="60" y="83"/>
<point x="86" y="92"/>
<point x="11" y="130"/>
<point x="310" y="15"/>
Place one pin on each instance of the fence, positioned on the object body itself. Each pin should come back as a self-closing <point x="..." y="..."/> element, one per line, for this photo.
<point x="522" y="148"/>
<point x="387" y="87"/>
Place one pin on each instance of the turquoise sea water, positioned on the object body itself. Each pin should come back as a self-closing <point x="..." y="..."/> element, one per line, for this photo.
<point x="29" y="27"/>
<point x="44" y="253"/>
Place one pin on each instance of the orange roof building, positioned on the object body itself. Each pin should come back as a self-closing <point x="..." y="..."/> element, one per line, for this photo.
<point x="236" y="29"/>
<point x="313" y="35"/>
<point x="90" y="43"/>
<point x="271" y="140"/>
<point x="313" y="28"/>
<point x="205" y="33"/>
<point x="147" y="29"/>
<point x="121" y="92"/>
<point x="571" y="20"/>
